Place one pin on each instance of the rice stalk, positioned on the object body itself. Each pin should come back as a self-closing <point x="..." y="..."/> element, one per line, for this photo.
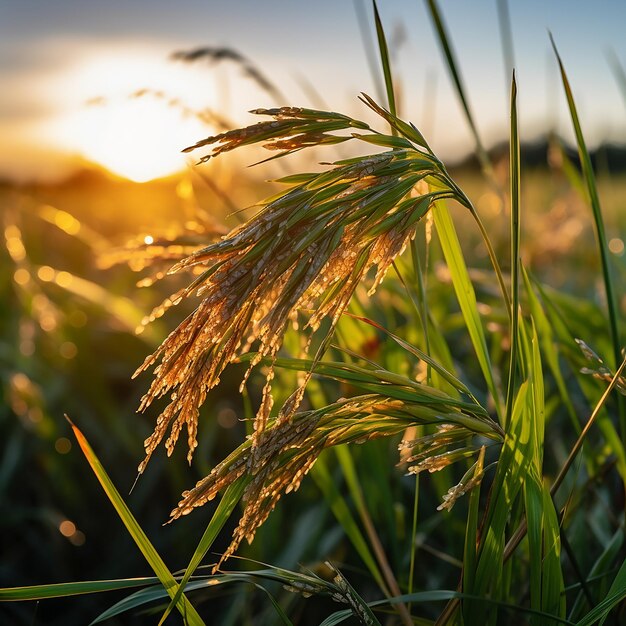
<point x="306" y="248"/>
<point x="290" y="448"/>
<point x="221" y="53"/>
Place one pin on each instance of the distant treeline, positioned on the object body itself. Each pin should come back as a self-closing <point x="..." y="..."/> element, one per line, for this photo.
<point x="609" y="157"/>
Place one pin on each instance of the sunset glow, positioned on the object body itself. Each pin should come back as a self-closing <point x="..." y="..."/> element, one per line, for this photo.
<point x="139" y="139"/>
<point x="131" y="115"/>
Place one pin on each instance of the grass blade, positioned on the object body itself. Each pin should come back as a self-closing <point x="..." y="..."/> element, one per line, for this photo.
<point x="186" y="609"/>
<point x="347" y="464"/>
<point x="228" y="502"/>
<point x="448" y="53"/>
<point x="547" y="337"/>
<point x="616" y="594"/>
<point x="599" y="569"/>
<point x="469" y="551"/>
<point x="506" y="36"/>
<point x="618" y="72"/>
<point x="63" y="590"/>
<point x="515" y="245"/>
<point x="512" y="470"/>
<point x="521" y="531"/>
<point x="368" y="46"/>
<point x="465" y="295"/>
<point x="360" y="608"/>
<point x="384" y="58"/>
<point x="585" y="161"/>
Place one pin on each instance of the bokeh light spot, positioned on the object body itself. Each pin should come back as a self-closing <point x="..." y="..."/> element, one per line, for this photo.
<point x="616" y="246"/>
<point x="63" y="279"/>
<point x="21" y="276"/>
<point x="78" y="319"/>
<point x="68" y="350"/>
<point x="67" y="528"/>
<point x="62" y="445"/>
<point x="45" y="273"/>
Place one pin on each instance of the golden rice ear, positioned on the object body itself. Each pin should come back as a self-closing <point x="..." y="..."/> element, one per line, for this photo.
<point x="307" y="248"/>
<point x="287" y="448"/>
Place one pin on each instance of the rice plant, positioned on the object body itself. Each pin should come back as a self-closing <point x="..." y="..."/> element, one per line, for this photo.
<point x="296" y="291"/>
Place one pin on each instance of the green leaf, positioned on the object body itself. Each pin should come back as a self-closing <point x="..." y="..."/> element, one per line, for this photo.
<point x="384" y="59"/>
<point x="387" y="142"/>
<point x="515" y="460"/>
<point x="64" y="590"/>
<point x="600" y="567"/>
<point x="616" y="594"/>
<point x="465" y="294"/>
<point x="469" y="552"/>
<point x="585" y="161"/>
<point x="441" y="595"/>
<point x="455" y="74"/>
<point x="514" y="159"/>
<point x="185" y="608"/>
<point x="549" y="348"/>
<point x="226" y="506"/>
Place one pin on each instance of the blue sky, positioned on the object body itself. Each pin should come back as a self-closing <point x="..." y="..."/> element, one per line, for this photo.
<point x="318" y="42"/>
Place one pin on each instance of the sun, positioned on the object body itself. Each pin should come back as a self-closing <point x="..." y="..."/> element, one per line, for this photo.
<point x="132" y="114"/>
<point x="140" y="139"/>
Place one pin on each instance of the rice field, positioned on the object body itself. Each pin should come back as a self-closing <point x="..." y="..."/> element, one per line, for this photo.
<point x="390" y="391"/>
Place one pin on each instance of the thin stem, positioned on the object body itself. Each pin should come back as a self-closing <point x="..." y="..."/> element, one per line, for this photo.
<point x="421" y="282"/>
<point x="379" y="553"/>
<point x="413" y="535"/>
<point x="381" y="557"/>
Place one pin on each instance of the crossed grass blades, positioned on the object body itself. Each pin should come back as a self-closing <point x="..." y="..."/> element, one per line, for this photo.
<point x="306" y="250"/>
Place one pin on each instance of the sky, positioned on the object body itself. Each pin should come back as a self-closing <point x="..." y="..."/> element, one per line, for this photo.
<point x="69" y="68"/>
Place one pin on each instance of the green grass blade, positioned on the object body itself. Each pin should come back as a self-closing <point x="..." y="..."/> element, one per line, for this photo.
<point x="618" y="72"/>
<point x="133" y="601"/>
<point x="452" y="64"/>
<point x="152" y="594"/>
<point x="465" y="295"/>
<point x="515" y="245"/>
<point x="546" y="578"/>
<point x="157" y="564"/>
<point x="512" y="469"/>
<point x="469" y="550"/>
<point x="533" y="503"/>
<point x="360" y="608"/>
<point x="599" y="569"/>
<point x="585" y="161"/>
<point x="506" y="37"/>
<point x="441" y="595"/>
<point x="616" y="594"/>
<point x="63" y="590"/>
<point x="279" y="610"/>
<point x="352" y="479"/>
<point x="558" y="481"/>
<point x="368" y="46"/>
<point x="552" y="585"/>
<point x="550" y="352"/>
<point x="385" y="62"/>
<point x="226" y="506"/>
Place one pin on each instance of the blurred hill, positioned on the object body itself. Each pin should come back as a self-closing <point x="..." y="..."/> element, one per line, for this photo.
<point x="536" y="155"/>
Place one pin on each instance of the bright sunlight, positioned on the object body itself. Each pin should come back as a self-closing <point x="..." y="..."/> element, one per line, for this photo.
<point x="132" y="114"/>
<point x="139" y="138"/>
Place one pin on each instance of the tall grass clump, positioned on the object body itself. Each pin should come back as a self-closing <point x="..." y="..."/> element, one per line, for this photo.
<point x="489" y="383"/>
